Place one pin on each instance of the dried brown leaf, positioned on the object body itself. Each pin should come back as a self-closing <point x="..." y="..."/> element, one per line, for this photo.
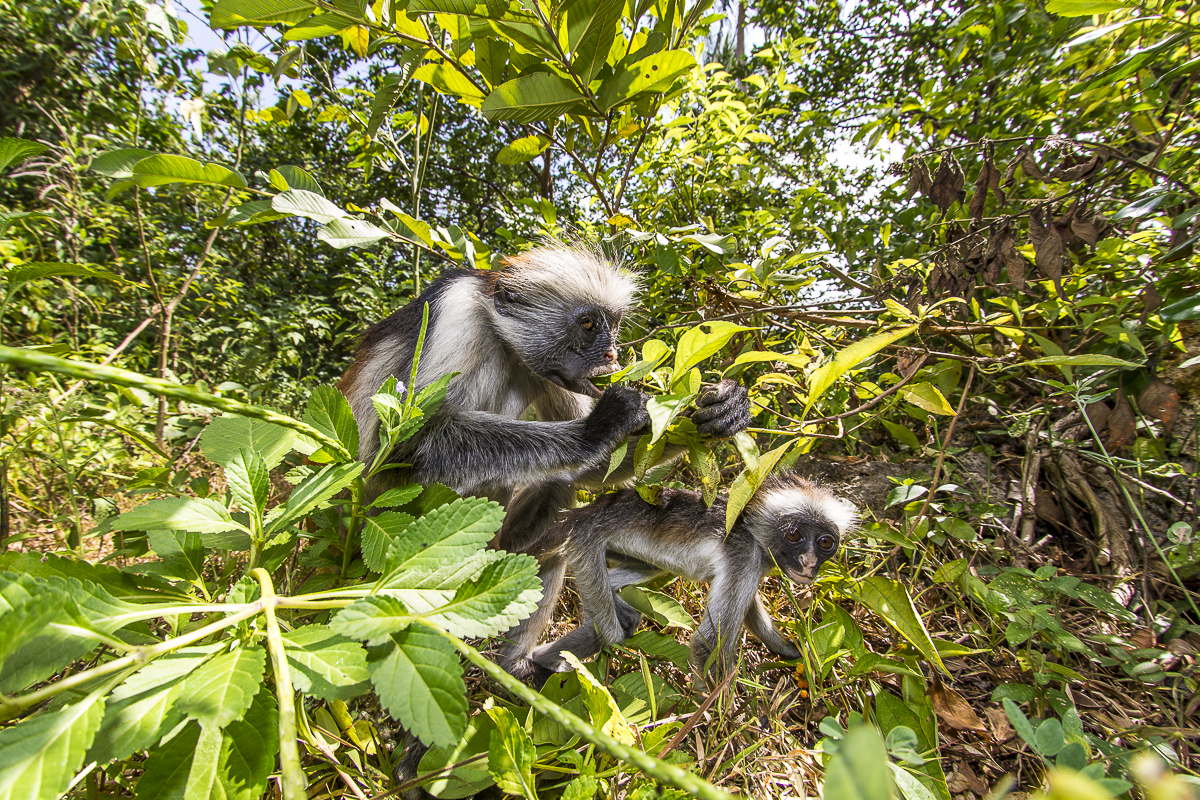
<point x="918" y="179"/>
<point x="952" y="707"/>
<point x="1097" y="414"/>
<point x="1085" y="227"/>
<point x="1121" y="427"/>
<point x="1006" y="249"/>
<point x="1160" y="400"/>
<point x="1010" y="171"/>
<point x="1046" y="509"/>
<point x="1151" y="299"/>
<point x="1031" y="168"/>
<point x="948" y="183"/>
<point x="1073" y="168"/>
<point x="1002" y="730"/>
<point x="907" y="361"/>
<point x="988" y="178"/>
<point x="1048" y="252"/>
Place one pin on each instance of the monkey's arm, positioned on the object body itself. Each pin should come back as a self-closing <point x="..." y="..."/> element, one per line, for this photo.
<point x="730" y="598"/>
<point x="763" y="627"/>
<point x="471" y="451"/>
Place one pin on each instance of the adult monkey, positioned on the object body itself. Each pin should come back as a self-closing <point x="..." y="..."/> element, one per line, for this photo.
<point x="532" y="334"/>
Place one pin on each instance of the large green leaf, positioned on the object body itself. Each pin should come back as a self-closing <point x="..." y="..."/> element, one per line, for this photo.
<point x="849" y="358"/>
<point x="470" y="775"/>
<point x="343" y="233"/>
<point x="315" y="492"/>
<point x="227" y="434"/>
<point x="119" y="164"/>
<point x="511" y="755"/>
<point x="506" y="592"/>
<point x="378" y="533"/>
<point x="448" y="80"/>
<point x="891" y="601"/>
<point x="418" y="677"/>
<point x="329" y="411"/>
<point x="591" y="30"/>
<point x="304" y="203"/>
<point x="524" y="149"/>
<point x="236" y="13"/>
<point x="142" y="709"/>
<point x="531" y="98"/>
<point x="221" y="690"/>
<point x="664" y="610"/>
<point x="325" y="664"/>
<point x="160" y="170"/>
<point x="859" y="769"/>
<point x="654" y="73"/>
<point x="198" y="514"/>
<point x="1084" y="8"/>
<point x="449" y="534"/>
<point x="1082" y="360"/>
<point x="39" y="756"/>
<point x="747" y="483"/>
<point x="372" y="619"/>
<point x="699" y="343"/>
<point x="14" y="151"/>
<point x="19" y="276"/>
<point x="249" y="480"/>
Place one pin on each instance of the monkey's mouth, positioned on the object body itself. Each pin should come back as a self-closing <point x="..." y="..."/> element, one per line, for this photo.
<point x="573" y="384"/>
<point x="802" y="578"/>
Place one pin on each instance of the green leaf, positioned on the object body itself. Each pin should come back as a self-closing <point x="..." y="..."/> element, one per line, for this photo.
<point x="747" y="483"/>
<point x="511" y="755"/>
<point x="928" y="397"/>
<point x="295" y="178"/>
<point x="378" y="533"/>
<point x="850" y="357"/>
<point x="168" y="766"/>
<point x="226" y="435"/>
<point x="1020" y="722"/>
<point x="1188" y="308"/>
<point x="221" y="690"/>
<point x="418" y="677"/>
<point x="303" y="203"/>
<point x="892" y="603"/>
<point x="401" y="495"/>
<point x="252" y="213"/>
<point x="392" y="87"/>
<point x="531" y="98"/>
<point x="654" y="73"/>
<point x="237" y="13"/>
<point x="342" y="233"/>
<point x="602" y="708"/>
<point x="142" y="709"/>
<point x="119" y="164"/>
<point x="160" y="170"/>
<point x="201" y="515"/>
<point x="661" y="646"/>
<point x="470" y="774"/>
<point x="249" y="480"/>
<point x="1050" y="738"/>
<point x="664" y="610"/>
<point x="1084" y="8"/>
<point x="372" y="619"/>
<point x="325" y="664"/>
<point x="17" y="277"/>
<point x="315" y="492"/>
<point x="859" y="768"/>
<point x="1085" y="360"/>
<point x="663" y="408"/>
<point x="14" y="151"/>
<point x="448" y="80"/>
<point x="506" y="592"/>
<point x="902" y="435"/>
<point x="40" y="756"/>
<point x="450" y="533"/>
<point x="591" y="31"/>
<point x="329" y="411"/>
<point x="697" y="344"/>
<point x="524" y="149"/>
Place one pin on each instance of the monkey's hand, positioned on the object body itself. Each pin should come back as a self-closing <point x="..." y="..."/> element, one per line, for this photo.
<point x="620" y="412"/>
<point x="722" y="409"/>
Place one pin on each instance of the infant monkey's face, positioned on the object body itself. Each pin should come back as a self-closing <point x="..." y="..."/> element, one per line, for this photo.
<point x="803" y="545"/>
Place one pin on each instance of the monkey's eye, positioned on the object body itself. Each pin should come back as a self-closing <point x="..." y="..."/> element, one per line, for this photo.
<point x="826" y="542"/>
<point x="792" y="535"/>
<point x="587" y="323"/>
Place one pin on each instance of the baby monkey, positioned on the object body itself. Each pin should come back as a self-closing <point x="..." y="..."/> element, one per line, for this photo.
<point x="621" y="540"/>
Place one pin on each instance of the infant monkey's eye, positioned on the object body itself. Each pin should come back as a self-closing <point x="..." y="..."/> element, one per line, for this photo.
<point x="826" y="542"/>
<point x="587" y="324"/>
<point x="792" y="535"/>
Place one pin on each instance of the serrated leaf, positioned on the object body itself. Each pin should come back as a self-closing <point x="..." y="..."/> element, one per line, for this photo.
<point x="450" y="533"/>
<point x="303" y="203"/>
<point x="892" y="603"/>
<point x="325" y="664"/>
<point x="14" y="151"/>
<point x="504" y="593"/>
<point x="378" y="533"/>
<point x="221" y="690"/>
<point x="448" y="80"/>
<point x="511" y="755"/>
<point x="524" y="149"/>
<point x="418" y="677"/>
<point x="142" y="709"/>
<point x="928" y="397"/>
<point x="329" y="411"/>
<point x="664" y="610"/>
<point x="343" y="233"/>
<point x="697" y="344"/>
<point x="160" y="170"/>
<point x="227" y="434"/>
<point x="237" y="13"/>
<point x="39" y="756"/>
<point x="654" y="73"/>
<point x="401" y="495"/>
<point x="167" y="767"/>
<point x="372" y="619"/>
<point x="850" y="357"/>
<point x="249" y="480"/>
<point x="313" y="493"/>
<point x="530" y="98"/>
<point x="198" y="514"/>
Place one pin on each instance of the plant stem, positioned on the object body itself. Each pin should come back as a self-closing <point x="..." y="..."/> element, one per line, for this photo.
<point x="293" y="782"/>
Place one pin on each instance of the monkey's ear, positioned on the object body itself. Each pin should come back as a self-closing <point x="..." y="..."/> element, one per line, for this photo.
<point x="504" y="298"/>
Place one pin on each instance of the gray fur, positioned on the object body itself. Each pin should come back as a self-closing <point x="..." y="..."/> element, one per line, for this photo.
<point x="678" y="535"/>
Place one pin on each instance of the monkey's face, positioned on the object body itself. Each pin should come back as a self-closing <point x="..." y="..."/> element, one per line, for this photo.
<point x="568" y="345"/>
<point x="802" y="544"/>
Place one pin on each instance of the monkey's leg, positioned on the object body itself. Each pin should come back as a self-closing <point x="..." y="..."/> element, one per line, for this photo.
<point x="729" y="600"/>
<point x="530" y="514"/>
<point x="601" y="624"/>
<point x="763" y="627"/>
<point x="521" y="640"/>
<point x="630" y="573"/>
